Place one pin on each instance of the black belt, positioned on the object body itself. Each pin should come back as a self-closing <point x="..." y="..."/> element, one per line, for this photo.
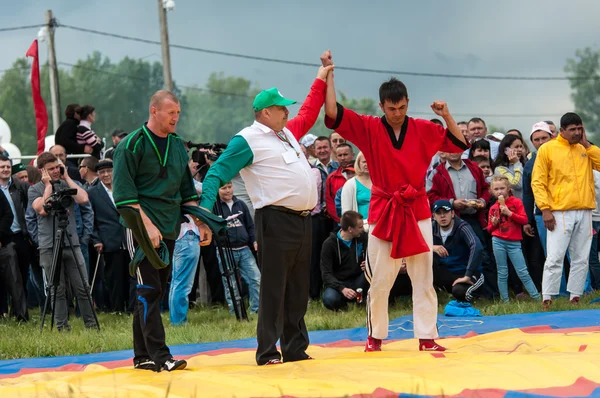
<point x="301" y="213"/>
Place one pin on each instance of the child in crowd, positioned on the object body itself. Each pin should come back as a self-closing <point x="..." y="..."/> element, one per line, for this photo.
<point x="480" y="148"/>
<point x="85" y="134"/>
<point x="506" y="218"/>
<point x="485" y="166"/>
<point x="241" y="236"/>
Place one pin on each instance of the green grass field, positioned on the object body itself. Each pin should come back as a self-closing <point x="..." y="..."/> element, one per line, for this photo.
<point x="210" y="324"/>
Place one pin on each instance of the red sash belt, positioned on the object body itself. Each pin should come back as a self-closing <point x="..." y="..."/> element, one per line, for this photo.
<point x="397" y="222"/>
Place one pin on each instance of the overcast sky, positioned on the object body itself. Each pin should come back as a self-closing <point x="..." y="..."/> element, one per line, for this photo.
<point x="507" y="38"/>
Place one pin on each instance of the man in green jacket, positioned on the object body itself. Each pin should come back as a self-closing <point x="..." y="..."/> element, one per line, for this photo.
<point x="151" y="174"/>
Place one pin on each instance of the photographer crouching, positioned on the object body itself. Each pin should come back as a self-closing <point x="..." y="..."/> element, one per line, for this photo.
<point x="45" y="198"/>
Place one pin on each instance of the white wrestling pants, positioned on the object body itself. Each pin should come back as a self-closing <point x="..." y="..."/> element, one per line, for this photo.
<point x="381" y="271"/>
<point x="573" y="231"/>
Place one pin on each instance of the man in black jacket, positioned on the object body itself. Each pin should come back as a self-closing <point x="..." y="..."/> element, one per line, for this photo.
<point x="66" y="134"/>
<point x="342" y="262"/>
<point x="457" y="254"/>
<point x="10" y="277"/>
<point x="15" y="192"/>
<point x="241" y="236"/>
<point x="109" y="239"/>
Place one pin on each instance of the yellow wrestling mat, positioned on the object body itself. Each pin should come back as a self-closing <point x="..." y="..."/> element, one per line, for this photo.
<point x="539" y="360"/>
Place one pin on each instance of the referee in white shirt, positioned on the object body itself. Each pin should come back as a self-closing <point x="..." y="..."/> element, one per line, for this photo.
<point x="283" y="191"/>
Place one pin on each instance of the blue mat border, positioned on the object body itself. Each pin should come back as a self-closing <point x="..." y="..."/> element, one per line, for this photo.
<point x="400" y="328"/>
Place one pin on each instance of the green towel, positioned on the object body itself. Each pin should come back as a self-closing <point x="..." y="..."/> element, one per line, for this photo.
<point x="133" y="220"/>
<point x="160" y="259"/>
<point x="216" y="224"/>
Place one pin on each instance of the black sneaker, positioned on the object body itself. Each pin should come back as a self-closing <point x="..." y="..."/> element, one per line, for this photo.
<point x="144" y="364"/>
<point x="174" y="364"/>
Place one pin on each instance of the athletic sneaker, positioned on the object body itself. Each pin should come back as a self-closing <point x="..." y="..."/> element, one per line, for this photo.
<point x="575" y="300"/>
<point x="144" y="364"/>
<point x="174" y="364"/>
<point x="430" y="345"/>
<point x="373" y="344"/>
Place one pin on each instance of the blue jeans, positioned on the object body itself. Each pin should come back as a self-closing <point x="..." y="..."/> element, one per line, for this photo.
<point x="594" y="262"/>
<point x="250" y="274"/>
<point x="504" y="249"/>
<point x="563" y="281"/>
<point x="185" y="262"/>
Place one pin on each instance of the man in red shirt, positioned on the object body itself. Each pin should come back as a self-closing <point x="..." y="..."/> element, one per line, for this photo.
<point x="398" y="150"/>
<point x="336" y="180"/>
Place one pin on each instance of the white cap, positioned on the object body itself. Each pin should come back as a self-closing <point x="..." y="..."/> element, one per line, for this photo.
<point x="540" y="126"/>
<point x="497" y="136"/>
<point x="308" y="140"/>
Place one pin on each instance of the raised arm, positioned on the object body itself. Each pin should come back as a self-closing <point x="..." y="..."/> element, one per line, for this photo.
<point x="440" y="108"/>
<point x="311" y="107"/>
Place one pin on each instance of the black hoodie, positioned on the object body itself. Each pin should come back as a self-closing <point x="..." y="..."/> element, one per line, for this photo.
<point x="241" y="226"/>
<point x="340" y="262"/>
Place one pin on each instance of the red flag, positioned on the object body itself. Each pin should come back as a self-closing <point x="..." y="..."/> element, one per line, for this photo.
<point x="41" y="113"/>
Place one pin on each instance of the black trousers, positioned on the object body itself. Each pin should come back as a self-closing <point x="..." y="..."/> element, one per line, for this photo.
<point x="284" y="250"/>
<point x="24" y="250"/>
<point x="116" y="280"/>
<point x="443" y="279"/>
<point x="148" y="329"/>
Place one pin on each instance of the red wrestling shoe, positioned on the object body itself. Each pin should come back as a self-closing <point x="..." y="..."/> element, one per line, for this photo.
<point x="546" y="304"/>
<point x="373" y="344"/>
<point x="430" y="345"/>
<point x="575" y="300"/>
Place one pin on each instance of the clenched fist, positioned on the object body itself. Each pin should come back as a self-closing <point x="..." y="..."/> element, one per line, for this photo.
<point x="440" y="108"/>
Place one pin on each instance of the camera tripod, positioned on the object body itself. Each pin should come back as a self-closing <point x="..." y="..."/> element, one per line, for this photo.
<point x="55" y="269"/>
<point x="231" y="271"/>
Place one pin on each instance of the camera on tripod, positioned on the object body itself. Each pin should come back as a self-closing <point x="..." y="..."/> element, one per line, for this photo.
<point x="200" y="156"/>
<point x="61" y="198"/>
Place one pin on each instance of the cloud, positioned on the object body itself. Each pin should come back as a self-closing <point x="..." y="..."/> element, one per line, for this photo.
<point x="467" y="37"/>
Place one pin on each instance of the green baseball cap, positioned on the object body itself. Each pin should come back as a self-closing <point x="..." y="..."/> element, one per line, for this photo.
<point x="270" y="97"/>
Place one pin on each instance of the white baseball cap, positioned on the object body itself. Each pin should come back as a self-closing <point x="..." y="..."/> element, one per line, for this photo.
<point x="308" y="140"/>
<point x="540" y="126"/>
<point x="495" y="136"/>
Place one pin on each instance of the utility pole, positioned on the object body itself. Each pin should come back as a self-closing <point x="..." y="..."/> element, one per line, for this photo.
<point x="164" y="39"/>
<point x="54" y="93"/>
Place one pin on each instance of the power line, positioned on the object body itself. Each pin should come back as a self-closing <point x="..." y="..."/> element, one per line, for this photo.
<point x="146" y="80"/>
<point x="348" y="68"/>
<point x="20" y="28"/>
<point x="216" y="92"/>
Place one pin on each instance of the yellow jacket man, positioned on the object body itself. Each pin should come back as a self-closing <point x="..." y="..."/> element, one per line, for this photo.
<point x="563" y="186"/>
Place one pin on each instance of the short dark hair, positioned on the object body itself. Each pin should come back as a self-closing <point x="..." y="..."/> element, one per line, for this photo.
<point x="91" y="162"/>
<point x="323" y="138"/>
<point x="476" y="120"/>
<point x="549" y="122"/>
<point x="481" y="159"/>
<point x="85" y="111"/>
<point x="350" y="219"/>
<point x="33" y="175"/>
<point x="437" y="121"/>
<point x="70" y="111"/>
<point x="118" y="133"/>
<point x="345" y="145"/>
<point x="518" y="133"/>
<point x="44" y="159"/>
<point x="570" y="118"/>
<point x="462" y="122"/>
<point x="393" y="90"/>
<point x="4" y="158"/>
<point x="479" y="144"/>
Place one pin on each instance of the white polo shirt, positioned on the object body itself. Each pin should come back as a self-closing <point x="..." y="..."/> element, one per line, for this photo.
<point x="279" y="174"/>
